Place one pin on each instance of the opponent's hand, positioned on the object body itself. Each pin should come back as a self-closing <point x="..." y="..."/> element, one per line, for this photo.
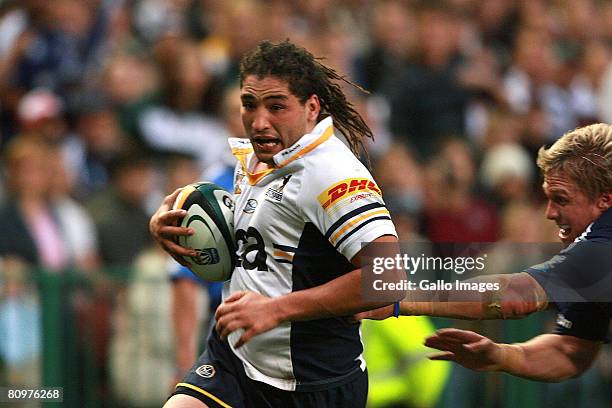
<point x="467" y="348"/>
<point x="375" y="314"/>
<point x="165" y="230"/>
<point x="252" y="312"/>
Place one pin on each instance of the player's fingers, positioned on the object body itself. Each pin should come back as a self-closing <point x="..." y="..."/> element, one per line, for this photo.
<point x="175" y="249"/>
<point x="229" y="326"/>
<point x="458" y="335"/>
<point x="171" y="231"/>
<point x="440" y="344"/>
<point x="480" y="345"/>
<point x="447" y="339"/>
<point x="169" y="200"/>
<point x="442" y="356"/>
<point x="171" y="216"/>
<point x="248" y="334"/>
<point x="235" y="296"/>
<point x="181" y="260"/>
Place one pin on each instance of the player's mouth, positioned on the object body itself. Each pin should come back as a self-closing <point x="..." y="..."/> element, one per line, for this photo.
<point x="266" y="144"/>
<point x="565" y="232"/>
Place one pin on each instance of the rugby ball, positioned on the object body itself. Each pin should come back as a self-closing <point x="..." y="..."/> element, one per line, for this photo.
<point x="210" y="213"/>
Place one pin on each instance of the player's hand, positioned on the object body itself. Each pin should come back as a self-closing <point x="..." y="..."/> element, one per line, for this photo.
<point x="375" y="314"/>
<point x="165" y="230"/>
<point x="467" y="348"/>
<point x="250" y="311"/>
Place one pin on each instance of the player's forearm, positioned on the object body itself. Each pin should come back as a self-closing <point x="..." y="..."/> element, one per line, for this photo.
<point x="549" y="357"/>
<point x="513" y="296"/>
<point x="339" y="297"/>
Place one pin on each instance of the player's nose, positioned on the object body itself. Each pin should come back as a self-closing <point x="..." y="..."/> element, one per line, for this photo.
<point x="551" y="211"/>
<point x="260" y="122"/>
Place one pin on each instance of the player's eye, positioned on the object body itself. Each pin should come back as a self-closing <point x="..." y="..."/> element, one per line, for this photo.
<point x="248" y="105"/>
<point x="277" y="107"/>
<point x="561" y="200"/>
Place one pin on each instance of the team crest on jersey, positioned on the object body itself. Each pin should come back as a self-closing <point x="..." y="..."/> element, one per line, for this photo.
<point x="206" y="371"/>
<point x="275" y="193"/>
<point x="250" y="206"/>
<point x="347" y="188"/>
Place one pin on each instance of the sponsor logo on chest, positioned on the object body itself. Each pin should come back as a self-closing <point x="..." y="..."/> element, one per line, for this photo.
<point x="275" y="193"/>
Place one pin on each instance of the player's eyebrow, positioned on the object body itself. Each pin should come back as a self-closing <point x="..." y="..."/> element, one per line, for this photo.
<point x="265" y="98"/>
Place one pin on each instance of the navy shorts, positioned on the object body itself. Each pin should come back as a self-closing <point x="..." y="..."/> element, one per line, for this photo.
<point x="218" y="379"/>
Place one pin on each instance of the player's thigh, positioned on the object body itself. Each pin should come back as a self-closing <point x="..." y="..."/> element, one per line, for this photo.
<point x="352" y="394"/>
<point x="184" y="401"/>
<point x="216" y="379"/>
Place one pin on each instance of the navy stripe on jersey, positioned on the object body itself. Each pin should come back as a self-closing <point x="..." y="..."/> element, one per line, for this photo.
<point x="284" y="248"/>
<point x="324" y="349"/>
<point x="363" y="224"/>
<point x="350" y="215"/>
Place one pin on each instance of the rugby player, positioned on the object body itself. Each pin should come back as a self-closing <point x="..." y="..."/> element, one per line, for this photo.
<point x="304" y="207"/>
<point x="577" y="171"/>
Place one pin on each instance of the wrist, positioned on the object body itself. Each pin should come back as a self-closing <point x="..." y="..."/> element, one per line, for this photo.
<point x="508" y="358"/>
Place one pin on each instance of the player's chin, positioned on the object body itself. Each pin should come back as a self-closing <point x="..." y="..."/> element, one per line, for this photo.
<point x="266" y="156"/>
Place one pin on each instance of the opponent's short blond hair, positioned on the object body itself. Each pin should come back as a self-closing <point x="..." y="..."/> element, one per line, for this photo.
<point x="585" y="155"/>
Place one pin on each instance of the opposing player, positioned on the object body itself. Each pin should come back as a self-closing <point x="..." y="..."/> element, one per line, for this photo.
<point x="305" y="205"/>
<point x="578" y="184"/>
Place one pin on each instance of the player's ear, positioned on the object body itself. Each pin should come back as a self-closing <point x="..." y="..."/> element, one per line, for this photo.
<point x="605" y="201"/>
<point x="313" y="107"/>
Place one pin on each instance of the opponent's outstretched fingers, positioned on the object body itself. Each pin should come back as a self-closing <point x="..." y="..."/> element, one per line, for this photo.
<point x="481" y="345"/>
<point x="442" y="356"/>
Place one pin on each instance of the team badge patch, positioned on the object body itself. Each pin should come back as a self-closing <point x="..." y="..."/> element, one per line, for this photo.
<point x="206" y="371"/>
<point x="250" y="206"/>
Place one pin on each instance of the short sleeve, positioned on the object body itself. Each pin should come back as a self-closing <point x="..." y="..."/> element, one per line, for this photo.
<point x="580" y="273"/>
<point x="588" y="321"/>
<point x="347" y="207"/>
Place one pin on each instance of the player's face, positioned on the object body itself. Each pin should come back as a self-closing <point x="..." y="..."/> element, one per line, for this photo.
<point x="274" y="118"/>
<point x="569" y="207"/>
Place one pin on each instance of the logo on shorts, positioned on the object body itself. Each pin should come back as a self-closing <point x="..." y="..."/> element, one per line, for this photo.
<point x="206" y="371"/>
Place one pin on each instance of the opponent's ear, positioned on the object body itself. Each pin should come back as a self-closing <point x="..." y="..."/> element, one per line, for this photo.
<point x="313" y="108"/>
<point x="605" y="201"/>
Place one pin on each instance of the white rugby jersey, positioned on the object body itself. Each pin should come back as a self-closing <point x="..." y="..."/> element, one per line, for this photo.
<point x="297" y="226"/>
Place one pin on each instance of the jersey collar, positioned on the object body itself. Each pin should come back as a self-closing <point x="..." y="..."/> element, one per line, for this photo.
<point x="600" y="228"/>
<point x="243" y="150"/>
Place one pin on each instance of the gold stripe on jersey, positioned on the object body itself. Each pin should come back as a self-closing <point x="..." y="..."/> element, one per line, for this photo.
<point x="283" y="254"/>
<point x="204" y="392"/>
<point x="253" y="178"/>
<point x="324" y="137"/>
<point x="355" y="221"/>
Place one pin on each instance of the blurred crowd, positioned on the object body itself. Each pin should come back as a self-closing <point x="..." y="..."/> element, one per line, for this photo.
<point x="108" y="105"/>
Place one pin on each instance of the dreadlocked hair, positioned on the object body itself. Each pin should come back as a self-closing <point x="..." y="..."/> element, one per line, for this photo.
<point x="307" y="76"/>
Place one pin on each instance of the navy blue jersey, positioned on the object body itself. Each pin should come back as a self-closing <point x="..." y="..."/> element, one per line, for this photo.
<point x="579" y="281"/>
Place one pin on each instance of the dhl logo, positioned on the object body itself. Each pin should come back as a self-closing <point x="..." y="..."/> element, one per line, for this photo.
<point x="345" y="188"/>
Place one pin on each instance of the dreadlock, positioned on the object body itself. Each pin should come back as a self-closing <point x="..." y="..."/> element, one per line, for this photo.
<point x="306" y="76"/>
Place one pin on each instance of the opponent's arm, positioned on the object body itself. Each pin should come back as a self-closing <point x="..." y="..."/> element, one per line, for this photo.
<point x="549" y="357"/>
<point x="518" y="295"/>
<point x="256" y="313"/>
